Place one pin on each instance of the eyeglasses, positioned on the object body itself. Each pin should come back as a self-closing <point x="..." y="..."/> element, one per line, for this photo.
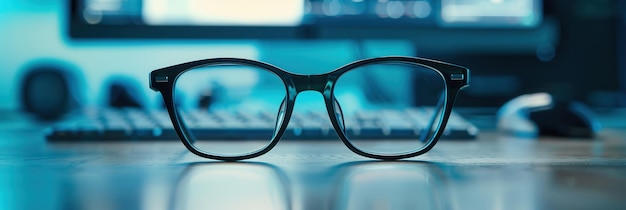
<point x="264" y="96"/>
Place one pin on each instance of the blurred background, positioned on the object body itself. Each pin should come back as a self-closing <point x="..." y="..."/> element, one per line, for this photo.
<point x="102" y="49"/>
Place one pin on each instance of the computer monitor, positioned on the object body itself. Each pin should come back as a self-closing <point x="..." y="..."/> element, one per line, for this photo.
<point x="294" y="19"/>
<point x="484" y="35"/>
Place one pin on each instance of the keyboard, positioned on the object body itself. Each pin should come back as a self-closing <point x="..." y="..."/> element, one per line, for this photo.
<point x="141" y="125"/>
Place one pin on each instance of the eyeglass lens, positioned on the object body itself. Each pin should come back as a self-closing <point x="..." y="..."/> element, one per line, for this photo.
<point x="234" y="96"/>
<point x="391" y="102"/>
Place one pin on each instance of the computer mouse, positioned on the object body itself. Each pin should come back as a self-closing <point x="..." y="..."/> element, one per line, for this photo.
<point x="538" y="114"/>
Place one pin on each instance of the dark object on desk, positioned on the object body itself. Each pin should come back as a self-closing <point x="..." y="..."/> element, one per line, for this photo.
<point x="124" y="92"/>
<point x="136" y="124"/>
<point x="569" y="119"/>
<point x="49" y="91"/>
<point x="537" y="114"/>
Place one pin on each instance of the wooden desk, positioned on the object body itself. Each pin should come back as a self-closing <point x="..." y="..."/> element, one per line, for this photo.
<point x="493" y="172"/>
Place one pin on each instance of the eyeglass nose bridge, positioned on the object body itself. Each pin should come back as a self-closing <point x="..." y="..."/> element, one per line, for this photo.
<point x="310" y="82"/>
<point x="319" y="83"/>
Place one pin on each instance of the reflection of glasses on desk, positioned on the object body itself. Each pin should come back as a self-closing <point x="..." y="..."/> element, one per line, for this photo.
<point x="224" y="185"/>
<point x="272" y="104"/>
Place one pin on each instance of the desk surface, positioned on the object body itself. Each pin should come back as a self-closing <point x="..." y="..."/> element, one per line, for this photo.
<point x="493" y="172"/>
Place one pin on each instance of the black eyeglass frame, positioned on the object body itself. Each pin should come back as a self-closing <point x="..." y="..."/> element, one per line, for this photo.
<point x="164" y="79"/>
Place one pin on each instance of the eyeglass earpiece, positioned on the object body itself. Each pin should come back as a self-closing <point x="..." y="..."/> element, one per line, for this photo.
<point x="179" y="99"/>
<point x="281" y="116"/>
<point x="339" y="115"/>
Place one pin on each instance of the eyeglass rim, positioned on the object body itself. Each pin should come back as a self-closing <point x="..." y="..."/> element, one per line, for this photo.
<point x="450" y="73"/>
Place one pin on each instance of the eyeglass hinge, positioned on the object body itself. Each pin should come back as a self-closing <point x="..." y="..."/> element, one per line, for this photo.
<point x="457" y="76"/>
<point x="161" y="79"/>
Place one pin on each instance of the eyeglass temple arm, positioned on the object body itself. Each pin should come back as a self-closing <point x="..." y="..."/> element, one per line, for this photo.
<point x="428" y="128"/>
<point x="339" y="115"/>
<point x="280" y="117"/>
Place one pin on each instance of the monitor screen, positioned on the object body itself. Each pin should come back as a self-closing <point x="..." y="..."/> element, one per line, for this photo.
<point x="223" y="13"/>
